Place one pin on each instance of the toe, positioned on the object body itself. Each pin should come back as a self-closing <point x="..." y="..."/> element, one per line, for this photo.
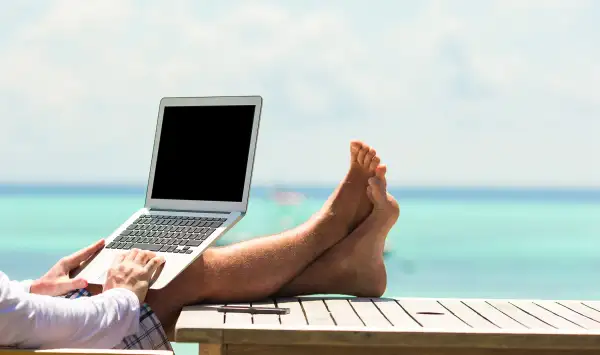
<point x="369" y="157"/>
<point x="374" y="163"/>
<point x="355" y="147"/>
<point x="377" y="190"/>
<point x="361" y="154"/>
<point x="380" y="172"/>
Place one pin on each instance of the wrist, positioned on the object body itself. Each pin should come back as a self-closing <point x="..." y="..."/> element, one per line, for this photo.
<point x="34" y="286"/>
<point x="27" y="285"/>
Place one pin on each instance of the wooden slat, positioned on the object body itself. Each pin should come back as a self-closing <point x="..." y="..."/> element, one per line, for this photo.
<point x="212" y="349"/>
<point x="238" y="320"/>
<point x="272" y="319"/>
<point x="316" y="312"/>
<point x="467" y="315"/>
<point x="569" y="314"/>
<point x="200" y="324"/>
<point x="493" y="315"/>
<point x="368" y="313"/>
<point x="517" y="314"/>
<point x="296" y="316"/>
<point x="342" y="312"/>
<point x="541" y="339"/>
<point x="396" y="314"/>
<point x="432" y="315"/>
<point x="581" y="309"/>
<point x="385" y="350"/>
<point x="545" y="315"/>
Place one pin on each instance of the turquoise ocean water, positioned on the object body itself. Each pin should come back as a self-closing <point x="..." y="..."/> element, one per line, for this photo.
<point x="501" y="243"/>
<point x="447" y="242"/>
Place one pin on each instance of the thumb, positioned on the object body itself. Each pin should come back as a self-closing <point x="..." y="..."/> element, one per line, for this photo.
<point x="71" y="285"/>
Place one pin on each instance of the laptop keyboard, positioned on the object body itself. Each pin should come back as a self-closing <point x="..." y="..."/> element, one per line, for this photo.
<point x="167" y="234"/>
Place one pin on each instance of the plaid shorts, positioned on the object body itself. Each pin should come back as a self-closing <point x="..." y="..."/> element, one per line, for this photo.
<point x="150" y="335"/>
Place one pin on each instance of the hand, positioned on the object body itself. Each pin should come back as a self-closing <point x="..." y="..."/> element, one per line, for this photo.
<point x="57" y="281"/>
<point x="133" y="271"/>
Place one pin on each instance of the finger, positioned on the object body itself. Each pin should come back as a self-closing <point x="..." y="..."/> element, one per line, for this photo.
<point x="154" y="264"/>
<point x="118" y="259"/>
<point x="132" y="254"/>
<point x="75" y="259"/>
<point x="143" y="257"/>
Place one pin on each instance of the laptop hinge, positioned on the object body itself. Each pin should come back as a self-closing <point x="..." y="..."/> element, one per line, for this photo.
<point x="190" y="211"/>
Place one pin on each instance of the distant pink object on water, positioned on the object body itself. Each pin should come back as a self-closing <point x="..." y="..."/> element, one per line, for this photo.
<point x="288" y="197"/>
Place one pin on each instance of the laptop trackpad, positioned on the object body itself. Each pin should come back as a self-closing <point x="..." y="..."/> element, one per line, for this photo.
<point x="95" y="271"/>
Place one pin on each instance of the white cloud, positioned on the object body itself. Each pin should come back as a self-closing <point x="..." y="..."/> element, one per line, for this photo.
<point x="503" y="92"/>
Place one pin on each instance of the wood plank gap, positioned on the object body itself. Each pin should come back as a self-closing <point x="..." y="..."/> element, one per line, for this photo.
<point x="383" y="314"/>
<point x="481" y="315"/>
<point x="251" y="315"/>
<point x="558" y="315"/>
<point x="276" y="305"/>
<point x="408" y="314"/>
<point x="538" y="318"/>
<point x="448" y="309"/>
<point x="499" y="310"/>
<point x="303" y="311"/>
<point x="578" y="312"/>
<point x="329" y="312"/>
<point x="590" y="307"/>
<point x="355" y="312"/>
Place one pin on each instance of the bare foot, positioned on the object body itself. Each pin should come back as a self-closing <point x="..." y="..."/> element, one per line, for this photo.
<point x="349" y="200"/>
<point x="355" y="265"/>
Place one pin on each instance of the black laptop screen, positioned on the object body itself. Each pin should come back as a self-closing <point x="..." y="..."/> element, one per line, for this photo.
<point x="203" y="153"/>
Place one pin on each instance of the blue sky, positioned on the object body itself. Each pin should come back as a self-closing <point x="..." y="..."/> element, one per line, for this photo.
<point x="457" y="93"/>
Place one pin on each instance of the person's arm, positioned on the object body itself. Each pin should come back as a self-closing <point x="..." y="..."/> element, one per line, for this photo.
<point x="36" y="321"/>
<point x="25" y="285"/>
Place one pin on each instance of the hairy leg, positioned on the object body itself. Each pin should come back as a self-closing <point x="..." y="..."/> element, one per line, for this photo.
<point x="259" y="267"/>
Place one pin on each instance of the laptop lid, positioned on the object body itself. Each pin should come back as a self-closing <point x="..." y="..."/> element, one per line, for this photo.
<point x="203" y="153"/>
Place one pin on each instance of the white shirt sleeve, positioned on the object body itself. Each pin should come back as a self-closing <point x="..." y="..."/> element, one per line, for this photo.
<point x="36" y="321"/>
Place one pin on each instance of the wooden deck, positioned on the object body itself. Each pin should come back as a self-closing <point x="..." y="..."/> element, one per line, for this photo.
<point x="385" y="326"/>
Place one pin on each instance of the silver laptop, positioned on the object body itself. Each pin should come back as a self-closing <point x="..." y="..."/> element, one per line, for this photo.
<point x="198" y="186"/>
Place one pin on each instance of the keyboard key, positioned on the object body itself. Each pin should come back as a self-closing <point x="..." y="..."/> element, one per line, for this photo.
<point x="188" y="251"/>
<point x="150" y="247"/>
<point x="193" y="243"/>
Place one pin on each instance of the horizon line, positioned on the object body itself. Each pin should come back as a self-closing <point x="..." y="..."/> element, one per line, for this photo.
<point x="127" y="186"/>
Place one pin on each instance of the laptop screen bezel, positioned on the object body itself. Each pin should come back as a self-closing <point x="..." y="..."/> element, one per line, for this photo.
<point x="208" y="206"/>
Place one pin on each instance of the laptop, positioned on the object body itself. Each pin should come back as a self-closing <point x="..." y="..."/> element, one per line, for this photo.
<point x="198" y="185"/>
